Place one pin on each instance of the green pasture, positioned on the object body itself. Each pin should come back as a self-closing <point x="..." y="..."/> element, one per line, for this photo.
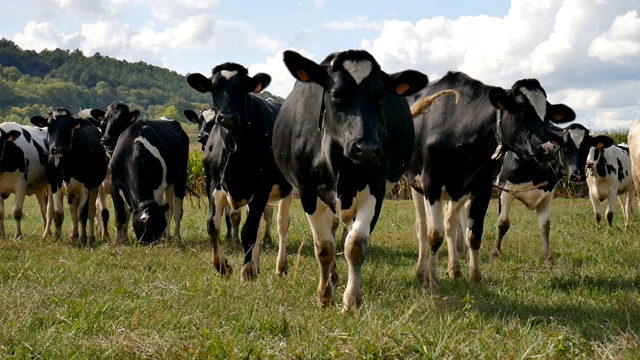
<point x="62" y="301"/>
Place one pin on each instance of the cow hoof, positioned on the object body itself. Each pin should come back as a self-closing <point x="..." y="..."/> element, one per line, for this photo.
<point x="325" y="297"/>
<point x="475" y="276"/>
<point x="223" y="267"/>
<point x="454" y="272"/>
<point x="334" y="275"/>
<point x="248" y="272"/>
<point x="496" y="253"/>
<point x="282" y="269"/>
<point x="266" y="240"/>
<point x="352" y="302"/>
<point x="429" y="284"/>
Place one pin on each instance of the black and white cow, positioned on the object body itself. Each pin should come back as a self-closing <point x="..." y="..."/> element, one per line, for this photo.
<point x="24" y="151"/>
<point x="533" y="182"/>
<point x="455" y="158"/>
<point x="76" y="166"/>
<point x="608" y="177"/>
<point x="205" y="121"/>
<point x="149" y="160"/>
<point x="633" y="138"/>
<point x="343" y="137"/>
<point x="239" y="162"/>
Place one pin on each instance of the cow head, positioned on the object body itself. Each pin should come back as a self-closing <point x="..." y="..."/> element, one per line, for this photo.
<point x="205" y="122"/>
<point x="149" y="221"/>
<point x="575" y="143"/>
<point x="61" y="126"/>
<point x="354" y="94"/>
<point x="230" y="86"/>
<point x="524" y="114"/>
<point x="597" y="144"/>
<point x="114" y="121"/>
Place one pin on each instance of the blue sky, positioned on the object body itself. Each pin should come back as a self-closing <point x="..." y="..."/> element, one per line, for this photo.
<point x="586" y="53"/>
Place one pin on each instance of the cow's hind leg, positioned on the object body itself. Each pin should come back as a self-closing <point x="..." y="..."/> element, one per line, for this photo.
<point x="42" y="204"/>
<point x="504" y="221"/>
<point x="419" y="202"/>
<point x="267" y="217"/>
<point x="435" y="238"/>
<point x="20" y="193"/>
<point x="284" y="205"/>
<point x="451" y="228"/>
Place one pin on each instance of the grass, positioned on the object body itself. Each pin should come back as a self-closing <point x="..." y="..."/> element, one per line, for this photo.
<point x="58" y="300"/>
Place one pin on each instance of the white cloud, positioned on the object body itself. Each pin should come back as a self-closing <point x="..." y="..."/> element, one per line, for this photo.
<point x="621" y="44"/>
<point x="170" y="10"/>
<point x="318" y="3"/>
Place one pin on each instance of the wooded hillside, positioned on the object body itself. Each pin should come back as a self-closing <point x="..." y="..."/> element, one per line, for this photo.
<point x="33" y="82"/>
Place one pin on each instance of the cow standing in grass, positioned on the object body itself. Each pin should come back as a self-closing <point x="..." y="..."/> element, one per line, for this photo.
<point x="149" y="160"/>
<point x="239" y="162"/>
<point x="455" y="159"/>
<point x="23" y="156"/>
<point x="608" y="177"/>
<point x="76" y="167"/>
<point x="343" y="137"/>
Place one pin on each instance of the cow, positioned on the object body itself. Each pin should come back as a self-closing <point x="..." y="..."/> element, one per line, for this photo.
<point x="76" y="166"/>
<point x="149" y="160"/>
<point x="23" y="157"/>
<point x="455" y="159"/>
<point x="533" y="182"/>
<point x="608" y="177"/>
<point x="205" y="121"/>
<point x="344" y="137"/>
<point x="239" y="163"/>
<point x="633" y="138"/>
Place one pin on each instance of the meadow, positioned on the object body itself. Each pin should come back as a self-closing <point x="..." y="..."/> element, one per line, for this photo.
<point x="59" y="300"/>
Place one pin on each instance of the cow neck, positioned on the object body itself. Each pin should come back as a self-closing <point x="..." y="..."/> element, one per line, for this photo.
<point x="499" y="149"/>
<point x="230" y="141"/>
<point x="322" y="112"/>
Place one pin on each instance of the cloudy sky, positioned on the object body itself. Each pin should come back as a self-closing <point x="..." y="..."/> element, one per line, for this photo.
<point x="586" y="53"/>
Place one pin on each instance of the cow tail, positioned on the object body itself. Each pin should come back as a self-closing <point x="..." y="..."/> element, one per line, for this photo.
<point x="425" y="103"/>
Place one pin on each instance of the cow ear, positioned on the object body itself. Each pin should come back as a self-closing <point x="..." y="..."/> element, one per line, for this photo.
<point x="303" y="69"/>
<point x="13" y="135"/>
<point x="501" y="99"/>
<point x="191" y="116"/>
<point x="97" y="114"/>
<point x="80" y="123"/>
<point x="561" y="113"/>
<point x="259" y="82"/>
<point x="404" y="83"/>
<point x="199" y="82"/>
<point x="39" y="121"/>
<point x="601" y="141"/>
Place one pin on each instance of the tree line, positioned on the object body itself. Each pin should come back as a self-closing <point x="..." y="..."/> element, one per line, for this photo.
<point x="33" y="83"/>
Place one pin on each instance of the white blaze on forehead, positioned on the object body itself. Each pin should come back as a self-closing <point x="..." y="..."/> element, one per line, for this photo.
<point x="157" y="193"/>
<point x="537" y="100"/>
<point x="577" y="135"/>
<point x="228" y="74"/>
<point x="358" y="69"/>
<point x="208" y="115"/>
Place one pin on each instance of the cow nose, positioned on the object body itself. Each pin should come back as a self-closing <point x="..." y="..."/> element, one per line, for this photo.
<point x="366" y="151"/>
<point x="577" y="177"/>
<point x="589" y="165"/>
<point x="226" y="119"/>
<point x="549" y="150"/>
<point x="202" y="138"/>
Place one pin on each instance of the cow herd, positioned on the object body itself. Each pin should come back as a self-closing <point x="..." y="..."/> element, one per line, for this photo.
<point x="347" y="132"/>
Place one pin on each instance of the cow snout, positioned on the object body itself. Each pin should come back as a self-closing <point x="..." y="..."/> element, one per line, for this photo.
<point x="202" y="138"/>
<point x="589" y="165"/>
<point x="577" y="176"/>
<point x="226" y="119"/>
<point x="365" y="151"/>
<point x="549" y="150"/>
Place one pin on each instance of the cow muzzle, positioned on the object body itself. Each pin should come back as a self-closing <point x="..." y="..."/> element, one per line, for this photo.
<point x="548" y="151"/>
<point x="577" y="177"/>
<point x="365" y="152"/>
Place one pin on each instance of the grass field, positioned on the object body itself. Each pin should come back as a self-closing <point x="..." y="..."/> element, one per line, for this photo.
<point x="60" y="301"/>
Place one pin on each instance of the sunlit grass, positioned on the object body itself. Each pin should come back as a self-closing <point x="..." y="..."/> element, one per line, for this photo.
<point x="61" y="301"/>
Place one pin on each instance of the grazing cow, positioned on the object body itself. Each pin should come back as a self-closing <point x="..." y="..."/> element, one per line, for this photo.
<point x="239" y="162"/>
<point x="343" y="139"/>
<point x="76" y="166"/>
<point x="23" y="156"/>
<point x="457" y="145"/>
<point x="205" y="122"/>
<point x="533" y="182"/>
<point x="149" y="160"/>
<point x="608" y="176"/>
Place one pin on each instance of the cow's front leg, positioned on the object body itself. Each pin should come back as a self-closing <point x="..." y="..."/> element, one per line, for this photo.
<point x="267" y="217"/>
<point x="217" y="202"/>
<point x="82" y="212"/>
<point x="284" y="205"/>
<point x="477" y="212"/>
<point x="58" y="212"/>
<point x="42" y="204"/>
<point x="356" y="246"/>
<point x="544" y="224"/>
<point x="91" y="211"/>
<point x="324" y="246"/>
<point x="611" y="204"/>
<point x="595" y="203"/>
<point x="250" y="236"/>
<point x="122" y="217"/>
<point x="419" y="203"/>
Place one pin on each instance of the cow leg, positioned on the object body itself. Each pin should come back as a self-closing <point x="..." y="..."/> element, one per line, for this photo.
<point x="122" y="216"/>
<point x="356" y="246"/>
<point x="178" y="212"/>
<point x="235" y="218"/>
<point x="169" y="197"/>
<point x="419" y="202"/>
<point x="83" y="212"/>
<point x="477" y="212"/>
<point x="91" y="212"/>
<point x="20" y="193"/>
<point x="451" y="227"/>
<point x="626" y="200"/>
<point x="544" y="224"/>
<point x="267" y="217"/>
<point x="611" y="204"/>
<point x="435" y="237"/>
<point x="102" y="212"/>
<point x="595" y="203"/>
<point x="47" y="225"/>
<point x="505" y="202"/>
<point x="463" y="219"/>
<point x="217" y="202"/>
<point x="250" y="236"/>
<point x="58" y="212"/>
<point x="2" y="232"/>
<point x="324" y="245"/>
<point x="74" y="206"/>
<point x="42" y="204"/>
<point x="284" y="205"/>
